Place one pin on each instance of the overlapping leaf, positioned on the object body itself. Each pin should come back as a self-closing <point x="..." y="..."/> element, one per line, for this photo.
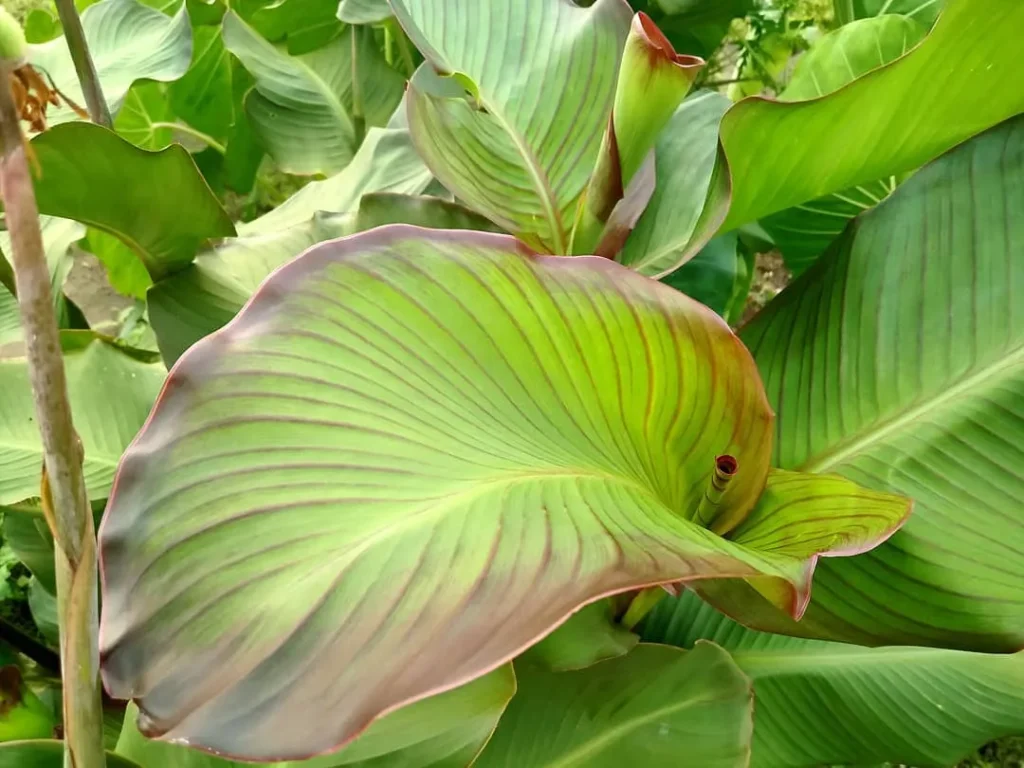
<point x="819" y="703"/>
<point x="894" y="119"/>
<point x="657" y="707"/>
<point x="353" y="495"/>
<point x="510" y="108"/>
<point x="128" y="41"/>
<point x="898" y="361"/>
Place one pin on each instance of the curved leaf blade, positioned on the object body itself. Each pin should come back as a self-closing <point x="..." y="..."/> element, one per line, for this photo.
<point x="371" y="456"/>
<point x="820" y="703"/>
<point x="898" y="362"/>
<point x="128" y="42"/>
<point x="654" y="707"/>
<point x="540" y="83"/>
<point x="784" y="154"/>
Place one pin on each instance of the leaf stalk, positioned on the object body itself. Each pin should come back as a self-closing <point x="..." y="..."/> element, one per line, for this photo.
<point x="74" y="34"/>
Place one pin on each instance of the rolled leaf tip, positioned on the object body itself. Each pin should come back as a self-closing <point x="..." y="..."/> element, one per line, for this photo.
<point x="725" y="470"/>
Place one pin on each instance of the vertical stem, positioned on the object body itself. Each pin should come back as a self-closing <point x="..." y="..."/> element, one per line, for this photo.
<point x="843" y="12"/>
<point x="84" y="66"/>
<point x="358" y="115"/>
<point x="63" y="485"/>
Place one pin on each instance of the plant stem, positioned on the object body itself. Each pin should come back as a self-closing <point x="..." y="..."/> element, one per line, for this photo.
<point x="84" y="66"/>
<point x="63" y="484"/>
<point x="843" y="12"/>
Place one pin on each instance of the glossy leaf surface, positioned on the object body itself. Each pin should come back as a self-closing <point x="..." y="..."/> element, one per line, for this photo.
<point x="898" y="361"/>
<point x="110" y="392"/>
<point x="657" y="707"/>
<point x="821" y="703"/>
<point x="391" y="443"/>
<point x="128" y="41"/>
<point x="514" y="125"/>
<point x="91" y="175"/>
<point x="952" y="86"/>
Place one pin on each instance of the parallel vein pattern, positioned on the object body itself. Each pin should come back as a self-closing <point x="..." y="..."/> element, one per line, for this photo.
<point x="520" y="149"/>
<point x="412" y="455"/>
<point x="898" y="361"/>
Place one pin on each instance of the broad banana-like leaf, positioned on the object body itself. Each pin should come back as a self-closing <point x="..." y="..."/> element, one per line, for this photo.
<point x="414" y="454"/>
<point x="657" y="707"/>
<point x="311" y="111"/>
<point x="819" y="703"/>
<point x="111" y="391"/>
<point x="898" y="362"/>
<point x="653" y="80"/>
<point x="718" y="277"/>
<point x="145" y="118"/>
<point x="92" y="175"/>
<point x="207" y="294"/>
<point x="692" y="194"/>
<point x="923" y="11"/>
<point x="444" y="731"/>
<point x="47" y="753"/>
<point x="804" y="231"/>
<point x="590" y="635"/>
<point x="511" y="105"/>
<point x="958" y="82"/>
<point x="128" y="42"/>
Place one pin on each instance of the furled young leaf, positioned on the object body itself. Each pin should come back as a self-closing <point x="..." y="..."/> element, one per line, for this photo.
<point x="309" y="111"/>
<point x="443" y="731"/>
<point x="203" y="297"/>
<point x="690" y="199"/>
<point x="110" y="391"/>
<point x="819" y="703"/>
<point x="657" y="707"/>
<point x="513" y="124"/>
<point x="128" y="42"/>
<point x="953" y="85"/>
<point x="897" y="362"/>
<point x="588" y="636"/>
<point x="46" y="753"/>
<point x="390" y="441"/>
<point x="804" y="231"/>
<point x="156" y="202"/>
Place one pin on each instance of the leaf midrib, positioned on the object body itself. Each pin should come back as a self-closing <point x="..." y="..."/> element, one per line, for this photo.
<point x="882" y="431"/>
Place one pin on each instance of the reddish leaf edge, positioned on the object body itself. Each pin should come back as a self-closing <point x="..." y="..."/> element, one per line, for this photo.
<point x="269" y="293"/>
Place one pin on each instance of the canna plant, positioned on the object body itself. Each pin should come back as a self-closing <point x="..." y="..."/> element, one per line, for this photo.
<point x="450" y="485"/>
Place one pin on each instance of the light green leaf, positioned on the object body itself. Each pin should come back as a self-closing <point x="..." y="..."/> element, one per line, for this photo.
<point x="898" y="361"/>
<point x="22" y="714"/>
<point x="91" y="175"/>
<point x="656" y="707"/>
<point x="43" y="606"/>
<point x="923" y="11"/>
<point x="26" y="533"/>
<point x="128" y="42"/>
<point x="41" y="25"/>
<point x="691" y="197"/>
<point x="46" y="753"/>
<point x="304" y="25"/>
<point x="887" y="122"/>
<point x="110" y="393"/>
<point x="588" y="636"/>
<point x="364" y="11"/>
<point x="207" y="294"/>
<point x="520" y="147"/>
<point x="379" y="209"/>
<point x="719" y="276"/>
<point x="396" y="434"/>
<point x="125" y="271"/>
<point x="310" y="111"/>
<point x="821" y="703"/>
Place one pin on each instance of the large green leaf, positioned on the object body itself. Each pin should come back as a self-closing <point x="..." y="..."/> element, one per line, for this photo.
<point x="690" y="199"/>
<point x="352" y="496"/>
<point x="898" y="361"/>
<point x="46" y="753"/>
<point x="955" y="84"/>
<point x="819" y="703"/>
<point x="803" y="232"/>
<point x="514" y="124"/>
<point x="310" y="111"/>
<point x="203" y="297"/>
<point x="718" y="277"/>
<point x="657" y="707"/>
<point x="443" y="731"/>
<point x="128" y="42"/>
<point x="145" y="117"/>
<point x="157" y="203"/>
<point x="923" y="11"/>
<point x="110" y="392"/>
<point x="363" y="11"/>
